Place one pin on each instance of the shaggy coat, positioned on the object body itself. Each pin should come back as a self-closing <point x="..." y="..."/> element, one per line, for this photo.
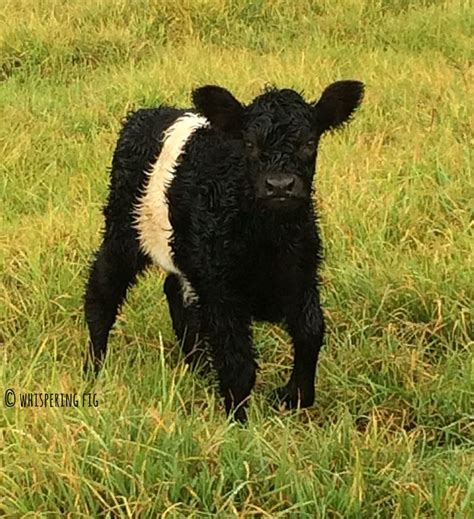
<point x="220" y="197"/>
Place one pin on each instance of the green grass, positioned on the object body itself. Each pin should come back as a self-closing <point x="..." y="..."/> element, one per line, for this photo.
<point x="391" y="433"/>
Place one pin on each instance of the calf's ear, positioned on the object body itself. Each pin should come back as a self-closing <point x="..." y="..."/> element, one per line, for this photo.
<point x="337" y="104"/>
<point x="220" y="107"/>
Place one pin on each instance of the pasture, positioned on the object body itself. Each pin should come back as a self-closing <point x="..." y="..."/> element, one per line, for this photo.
<point x="391" y="432"/>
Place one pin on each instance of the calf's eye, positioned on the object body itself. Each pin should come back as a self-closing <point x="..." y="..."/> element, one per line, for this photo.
<point x="308" y="148"/>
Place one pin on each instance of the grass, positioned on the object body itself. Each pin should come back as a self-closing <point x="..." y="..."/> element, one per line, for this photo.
<point x="391" y="434"/>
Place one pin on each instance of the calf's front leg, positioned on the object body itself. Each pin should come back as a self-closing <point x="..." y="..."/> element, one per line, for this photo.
<point x="229" y="337"/>
<point x="306" y="327"/>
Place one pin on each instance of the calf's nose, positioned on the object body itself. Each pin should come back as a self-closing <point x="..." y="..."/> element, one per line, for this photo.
<point x="279" y="186"/>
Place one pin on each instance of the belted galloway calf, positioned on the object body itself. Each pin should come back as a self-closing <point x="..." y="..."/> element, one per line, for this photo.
<point x="220" y="197"/>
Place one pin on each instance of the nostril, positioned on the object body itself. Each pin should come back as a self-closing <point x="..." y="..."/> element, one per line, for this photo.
<point x="290" y="185"/>
<point x="270" y="185"/>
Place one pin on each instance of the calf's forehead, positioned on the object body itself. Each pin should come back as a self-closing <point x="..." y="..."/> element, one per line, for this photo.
<point x="279" y="112"/>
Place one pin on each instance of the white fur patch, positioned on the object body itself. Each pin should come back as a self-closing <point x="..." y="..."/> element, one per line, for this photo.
<point x="152" y="214"/>
<point x="187" y="290"/>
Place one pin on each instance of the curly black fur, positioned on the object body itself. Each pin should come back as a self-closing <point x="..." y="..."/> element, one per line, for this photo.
<point x="244" y="230"/>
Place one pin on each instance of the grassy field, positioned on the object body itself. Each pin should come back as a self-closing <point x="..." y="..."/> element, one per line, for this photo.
<point x="391" y="433"/>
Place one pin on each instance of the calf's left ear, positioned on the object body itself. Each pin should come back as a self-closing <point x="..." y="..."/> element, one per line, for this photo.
<point x="337" y="104"/>
<point x="220" y="107"/>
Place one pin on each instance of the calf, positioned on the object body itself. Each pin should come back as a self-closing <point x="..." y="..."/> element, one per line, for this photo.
<point x="220" y="197"/>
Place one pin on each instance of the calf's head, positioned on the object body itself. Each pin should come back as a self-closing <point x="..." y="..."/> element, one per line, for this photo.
<point x="278" y="134"/>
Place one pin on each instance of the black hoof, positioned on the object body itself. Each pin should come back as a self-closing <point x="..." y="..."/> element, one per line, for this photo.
<point x="91" y="369"/>
<point x="292" y="398"/>
<point x="240" y="415"/>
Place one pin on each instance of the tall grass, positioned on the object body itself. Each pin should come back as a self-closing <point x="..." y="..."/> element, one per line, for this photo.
<point x="391" y="432"/>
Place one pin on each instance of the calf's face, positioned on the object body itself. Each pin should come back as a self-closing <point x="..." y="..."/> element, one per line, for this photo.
<point x="278" y="134"/>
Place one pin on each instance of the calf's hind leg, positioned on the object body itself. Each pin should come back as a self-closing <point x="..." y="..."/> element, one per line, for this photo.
<point x="112" y="273"/>
<point x="185" y="318"/>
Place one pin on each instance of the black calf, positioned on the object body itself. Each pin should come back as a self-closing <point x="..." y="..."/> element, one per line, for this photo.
<point x="220" y="197"/>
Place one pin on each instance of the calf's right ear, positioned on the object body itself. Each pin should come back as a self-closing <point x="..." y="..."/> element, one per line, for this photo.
<point x="220" y="107"/>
